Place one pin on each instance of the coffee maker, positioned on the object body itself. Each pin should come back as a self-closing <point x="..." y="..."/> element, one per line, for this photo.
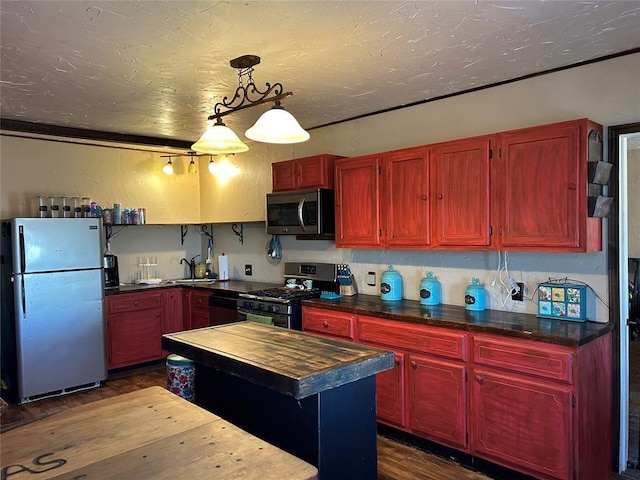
<point x="110" y="265"/>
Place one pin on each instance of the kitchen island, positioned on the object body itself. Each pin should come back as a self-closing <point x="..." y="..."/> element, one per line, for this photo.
<point x="313" y="397"/>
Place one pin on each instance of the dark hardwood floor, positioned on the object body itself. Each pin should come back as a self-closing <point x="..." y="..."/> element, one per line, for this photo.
<point x="396" y="460"/>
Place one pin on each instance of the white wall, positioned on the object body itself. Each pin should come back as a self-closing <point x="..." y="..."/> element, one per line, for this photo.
<point x="633" y="200"/>
<point x="606" y="92"/>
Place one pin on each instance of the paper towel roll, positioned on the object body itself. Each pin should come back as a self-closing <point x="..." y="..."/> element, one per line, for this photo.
<point x="223" y="267"/>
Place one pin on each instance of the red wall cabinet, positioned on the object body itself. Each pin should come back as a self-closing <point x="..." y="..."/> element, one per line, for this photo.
<point x="405" y="198"/>
<point x="461" y="193"/>
<point x="358" y="219"/>
<point x="541" y="180"/>
<point x="308" y="172"/>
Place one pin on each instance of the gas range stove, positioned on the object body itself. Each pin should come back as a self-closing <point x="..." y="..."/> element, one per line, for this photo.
<point x="282" y="294"/>
<point x="283" y="304"/>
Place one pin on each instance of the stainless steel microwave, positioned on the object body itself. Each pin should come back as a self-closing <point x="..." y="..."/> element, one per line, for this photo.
<point x="301" y="212"/>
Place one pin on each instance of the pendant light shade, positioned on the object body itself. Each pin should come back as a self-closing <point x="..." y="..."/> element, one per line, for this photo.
<point x="277" y="126"/>
<point x="219" y="139"/>
<point x="168" y="168"/>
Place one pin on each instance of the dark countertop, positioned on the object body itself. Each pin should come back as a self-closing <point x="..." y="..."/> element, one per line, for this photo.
<point x="293" y="363"/>
<point x="235" y="286"/>
<point x="521" y="325"/>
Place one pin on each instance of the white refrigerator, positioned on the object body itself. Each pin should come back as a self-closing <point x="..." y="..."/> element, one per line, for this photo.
<point x="52" y="285"/>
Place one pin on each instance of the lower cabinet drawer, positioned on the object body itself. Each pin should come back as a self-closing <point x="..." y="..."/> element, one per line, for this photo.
<point x="328" y="322"/>
<point x="421" y="338"/>
<point x="133" y="301"/>
<point x="524" y="356"/>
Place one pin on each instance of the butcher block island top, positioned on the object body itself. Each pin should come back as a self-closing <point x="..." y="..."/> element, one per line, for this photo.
<point x="290" y="362"/>
<point x="147" y="434"/>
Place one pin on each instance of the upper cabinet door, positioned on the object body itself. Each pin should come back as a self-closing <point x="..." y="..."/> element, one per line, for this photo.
<point x="302" y="173"/>
<point x="405" y="198"/>
<point x="283" y="176"/>
<point x="461" y="191"/>
<point x="357" y="202"/>
<point x="541" y="176"/>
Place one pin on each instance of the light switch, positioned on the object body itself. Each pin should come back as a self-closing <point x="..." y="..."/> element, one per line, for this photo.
<point x="371" y="279"/>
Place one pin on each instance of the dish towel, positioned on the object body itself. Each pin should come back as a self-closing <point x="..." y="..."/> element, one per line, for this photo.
<point x="252" y="317"/>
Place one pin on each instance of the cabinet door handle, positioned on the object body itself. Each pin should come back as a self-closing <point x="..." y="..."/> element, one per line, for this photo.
<point x="158" y="315"/>
<point x="135" y="304"/>
<point x="414" y="365"/>
<point x="439" y="196"/>
<point x="479" y="379"/>
<point x="325" y="324"/>
<point x="424" y="197"/>
<point x="572" y="186"/>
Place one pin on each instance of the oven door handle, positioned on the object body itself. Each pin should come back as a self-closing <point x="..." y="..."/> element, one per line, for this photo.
<point x="300" y="218"/>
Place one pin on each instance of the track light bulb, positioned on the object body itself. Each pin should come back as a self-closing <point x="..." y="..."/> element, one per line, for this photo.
<point x="168" y="168"/>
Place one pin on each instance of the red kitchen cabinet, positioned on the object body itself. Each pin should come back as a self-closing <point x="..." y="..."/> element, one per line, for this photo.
<point x="134" y="328"/>
<point x="540" y="408"/>
<point x="405" y="199"/>
<point x="172" y="311"/>
<point x="437" y="400"/>
<point x="358" y="219"/>
<point x="309" y="172"/>
<point x="522" y="422"/>
<point x="461" y="193"/>
<point x="391" y="405"/>
<point x="540" y="196"/>
<point x="196" y="308"/>
<point x="328" y="323"/>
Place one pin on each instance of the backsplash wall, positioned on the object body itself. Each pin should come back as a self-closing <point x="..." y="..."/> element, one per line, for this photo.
<point x="453" y="269"/>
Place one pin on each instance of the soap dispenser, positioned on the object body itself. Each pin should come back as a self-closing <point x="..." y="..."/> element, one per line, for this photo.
<point x="430" y="290"/>
<point x="474" y="296"/>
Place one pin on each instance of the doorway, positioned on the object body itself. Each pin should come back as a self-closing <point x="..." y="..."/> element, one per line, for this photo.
<point x="622" y="140"/>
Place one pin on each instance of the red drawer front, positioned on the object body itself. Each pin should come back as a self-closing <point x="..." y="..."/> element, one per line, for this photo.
<point x="327" y="322"/>
<point x="420" y="338"/>
<point x="128" y="303"/>
<point x="525" y="356"/>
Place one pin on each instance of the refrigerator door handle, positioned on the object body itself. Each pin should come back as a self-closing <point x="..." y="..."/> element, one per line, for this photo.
<point x="23" y="259"/>
<point x="22" y="296"/>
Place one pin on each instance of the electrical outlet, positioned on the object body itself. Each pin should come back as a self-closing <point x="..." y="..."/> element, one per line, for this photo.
<point x="248" y="270"/>
<point x="519" y="295"/>
<point x="371" y="279"/>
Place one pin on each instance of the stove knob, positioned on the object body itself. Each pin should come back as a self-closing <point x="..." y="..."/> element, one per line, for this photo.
<point x="275" y="308"/>
<point x="260" y="306"/>
<point x="248" y="304"/>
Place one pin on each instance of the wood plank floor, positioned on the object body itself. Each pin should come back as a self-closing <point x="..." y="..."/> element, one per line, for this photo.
<point x="396" y="461"/>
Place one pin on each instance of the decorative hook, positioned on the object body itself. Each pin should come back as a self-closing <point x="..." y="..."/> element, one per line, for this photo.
<point x="204" y="230"/>
<point x="183" y="233"/>
<point x="238" y="233"/>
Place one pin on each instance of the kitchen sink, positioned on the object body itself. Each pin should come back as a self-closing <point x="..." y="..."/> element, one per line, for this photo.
<point x="190" y="281"/>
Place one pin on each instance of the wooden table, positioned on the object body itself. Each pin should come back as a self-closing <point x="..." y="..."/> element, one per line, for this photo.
<point x="150" y="433"/>
<point x="309" y="395"/>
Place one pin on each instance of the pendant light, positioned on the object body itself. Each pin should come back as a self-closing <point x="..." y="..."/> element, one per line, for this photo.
<point x="274" y="126"/>
<point x="219" y="139"/>
<point x="167" y="169"/>
<point x="277" y="126"/>
<point x="192" y="168"/>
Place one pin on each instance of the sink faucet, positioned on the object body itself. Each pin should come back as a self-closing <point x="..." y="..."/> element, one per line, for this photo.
<point x="191" y="264"/>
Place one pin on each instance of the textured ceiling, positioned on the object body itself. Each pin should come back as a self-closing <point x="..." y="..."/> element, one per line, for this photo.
<point x="157" y="68"/>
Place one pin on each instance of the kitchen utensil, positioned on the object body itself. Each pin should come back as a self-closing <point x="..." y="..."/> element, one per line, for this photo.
<point x="474" y="296"/>
<point x="391" y="285"/>
<point x="429" y="290"/>
<point x="274" y="250"/>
